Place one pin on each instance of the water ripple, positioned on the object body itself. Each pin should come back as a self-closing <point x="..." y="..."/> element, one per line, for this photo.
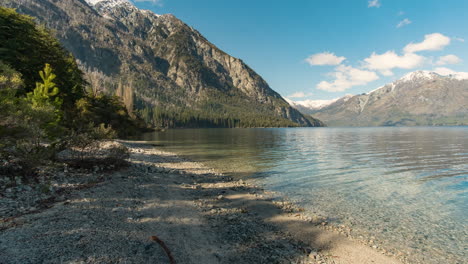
<point x="405" y="186"/>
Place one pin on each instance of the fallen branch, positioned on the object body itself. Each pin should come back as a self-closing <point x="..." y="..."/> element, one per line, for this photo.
<point x="166" y="249"/>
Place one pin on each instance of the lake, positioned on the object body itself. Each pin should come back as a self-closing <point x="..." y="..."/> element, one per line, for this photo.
<point x="405" y="188"/>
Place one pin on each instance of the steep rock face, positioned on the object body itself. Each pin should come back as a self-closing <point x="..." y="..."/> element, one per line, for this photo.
<point x="419" y="98"/>
<point x="166" y="63"/>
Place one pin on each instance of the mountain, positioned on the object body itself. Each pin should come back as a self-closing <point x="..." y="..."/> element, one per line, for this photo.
<point x="312" y="106"/>
<point x="162" y="67"/>
<point x="419" y="98"/>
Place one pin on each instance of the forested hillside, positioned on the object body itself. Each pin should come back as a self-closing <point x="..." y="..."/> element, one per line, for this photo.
<point x="44" y="107"/>
<point x="164" y="69"/>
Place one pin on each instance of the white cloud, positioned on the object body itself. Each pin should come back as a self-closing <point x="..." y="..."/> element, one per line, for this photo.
<point x="384" y="63"/>
<point x="347" y="77"/>
<point x="435" y="41"/>
<point x="446" y="71"/>
<point x="373" y="3"/>
<point x="404" y="22"/>
<point x="325" y="58"/>
<point x="459" y="39"/>
<point x="400" y="13"/>
<point x="299" y="95"/>
<point x="448" y="59"/>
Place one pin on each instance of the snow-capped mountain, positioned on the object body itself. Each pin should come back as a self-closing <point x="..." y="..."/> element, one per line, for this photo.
<point x="418" y="98"/>
<point x="419" y="76"/>
<point x="429" y="75"/>
<point x="109" y="6"/>
<point x="110" y="3"/>
<point x="313" y="104"/>
<point x="309" y="106"/>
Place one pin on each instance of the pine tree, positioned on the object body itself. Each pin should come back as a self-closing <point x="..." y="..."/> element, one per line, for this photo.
<point x="44" y="92"/>
<point x="46" y="103"/>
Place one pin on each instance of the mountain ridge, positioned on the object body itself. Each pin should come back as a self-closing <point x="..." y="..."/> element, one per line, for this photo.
<point x="418" y="98"/>
<point x="171" y="74"/>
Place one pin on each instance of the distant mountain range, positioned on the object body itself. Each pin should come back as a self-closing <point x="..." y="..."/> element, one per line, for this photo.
<point x="311" y="106"/>
<point x="419" y="98"/>
<point x="163" y="68"/>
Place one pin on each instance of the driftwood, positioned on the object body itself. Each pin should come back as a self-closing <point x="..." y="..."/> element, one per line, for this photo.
<point x="166" y="249"/>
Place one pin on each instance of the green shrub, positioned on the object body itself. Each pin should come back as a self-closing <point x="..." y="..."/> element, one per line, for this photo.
<point x="26" y="47"/>
<point x="41" y="114"/>
<point x="107" y="110"/>
<point x="28" y="126"/>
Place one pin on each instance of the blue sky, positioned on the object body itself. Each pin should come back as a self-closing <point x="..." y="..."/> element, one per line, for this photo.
<point x="358" y="45"/>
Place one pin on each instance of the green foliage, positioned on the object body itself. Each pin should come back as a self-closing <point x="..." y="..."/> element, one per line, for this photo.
<point x="189" y="118"/>
<point x="46" y="104"/>
<point x="228" y="109"/>
<point x="10" y="113"/>
<point x="58" y="90"/>
<point x="45" y="92"/>
<point x="26" y="47"/>
<point x="41" y="114"/>
<point x="12" y="109"/>
<point x="24" y="128"/>
<point x="108" y="111"/>
<point x="9" y="78"/>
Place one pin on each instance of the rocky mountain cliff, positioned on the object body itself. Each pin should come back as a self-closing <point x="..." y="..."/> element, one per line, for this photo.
<point x="162" y="67"/>
<point x="419" y="98"/>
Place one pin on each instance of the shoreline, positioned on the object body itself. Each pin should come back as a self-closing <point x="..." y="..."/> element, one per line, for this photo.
<point x="202" y="216"/>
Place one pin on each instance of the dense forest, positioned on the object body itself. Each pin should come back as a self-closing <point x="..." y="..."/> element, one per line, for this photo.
<point x="218" y="109"/>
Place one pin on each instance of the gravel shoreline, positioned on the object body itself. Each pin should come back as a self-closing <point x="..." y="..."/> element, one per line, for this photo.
<point x="201" y="215"/>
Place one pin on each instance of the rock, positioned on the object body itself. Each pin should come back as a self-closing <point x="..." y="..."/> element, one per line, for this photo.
<point x="220" y="197"/>
<point x="313" y="254"/>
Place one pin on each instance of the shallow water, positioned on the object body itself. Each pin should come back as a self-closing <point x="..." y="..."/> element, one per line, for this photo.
<point x="404" y="187"/>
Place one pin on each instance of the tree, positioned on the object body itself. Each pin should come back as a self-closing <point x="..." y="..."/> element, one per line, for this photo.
<point x="26" y="47"/>
<point x="44" y="92"/>
<point x="45" y="111"/>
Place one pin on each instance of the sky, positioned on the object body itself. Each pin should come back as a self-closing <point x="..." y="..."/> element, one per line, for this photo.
<point x="324" y="49"/>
